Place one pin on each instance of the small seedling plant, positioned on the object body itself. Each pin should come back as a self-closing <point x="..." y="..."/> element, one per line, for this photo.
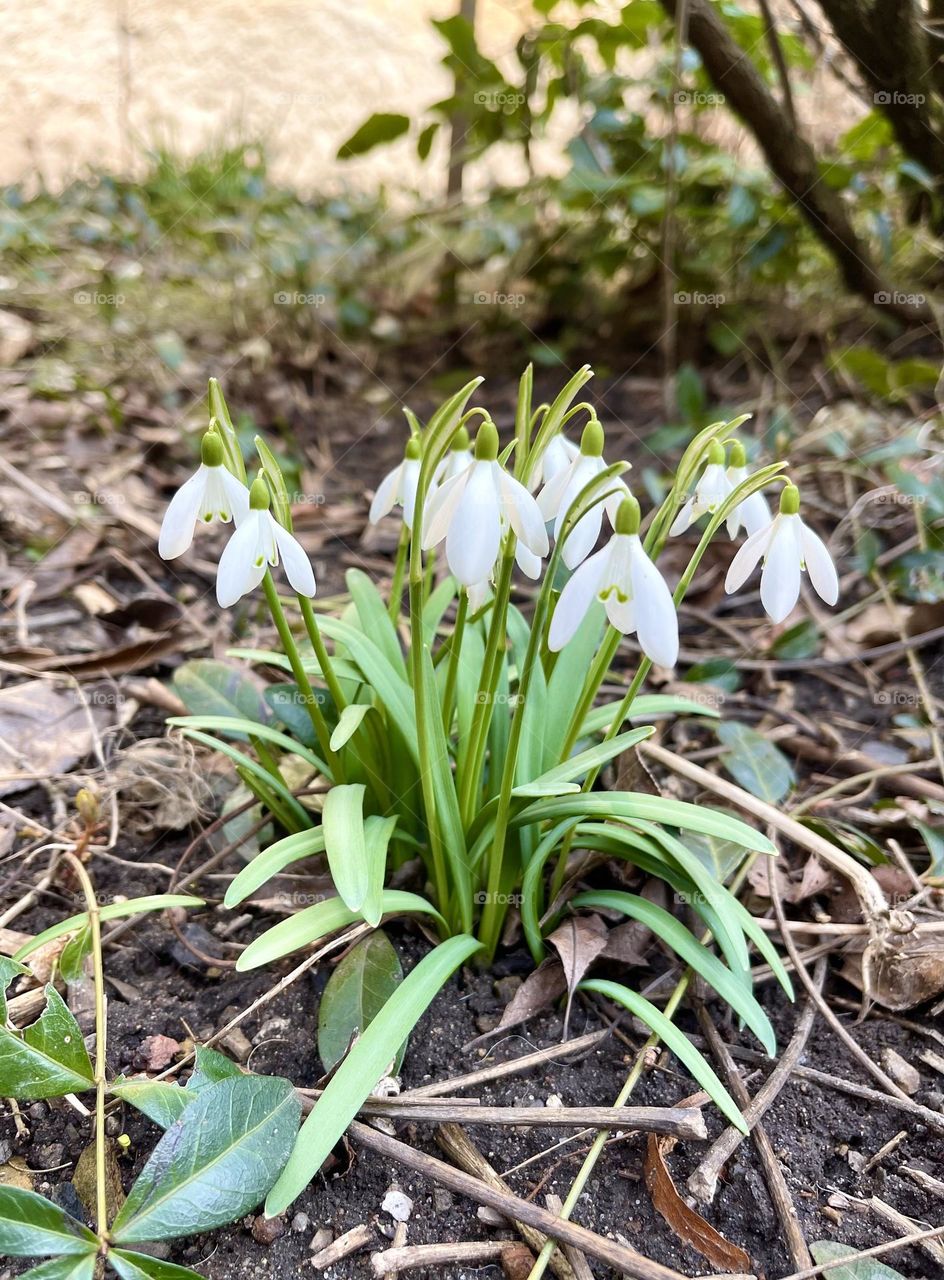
<point x="474" y="745"/>
<point x="228" y="1135"/>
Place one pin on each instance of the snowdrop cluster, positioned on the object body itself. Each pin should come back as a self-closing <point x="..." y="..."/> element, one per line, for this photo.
<point x="475" y="504"/>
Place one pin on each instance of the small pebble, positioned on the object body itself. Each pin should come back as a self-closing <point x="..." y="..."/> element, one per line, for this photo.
<point x="321" y="1239"/>
<point x="554" y="1100"/>
<point x="902" y="1072"/>
<point x="443" y="1200"/>
<point x="398" y="1205"/>
<point x="301" y="1222"/>
<point x="267" y="1230"/>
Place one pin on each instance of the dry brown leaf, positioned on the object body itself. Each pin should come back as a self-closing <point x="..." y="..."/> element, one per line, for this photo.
<point x="43" y="730"/>
<point x="578" y="942"/>
<point x="15" y="1173"/>
<point x="685" y="1222"/>
<point x="628" y="943"/>
<point x="538" y="991"/>
<point x="84" y="1180"/>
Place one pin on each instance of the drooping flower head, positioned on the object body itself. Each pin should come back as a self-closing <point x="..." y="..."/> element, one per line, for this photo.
<point x="398" y="487"/>
<point x="786" y="546"/>
<point x="258" y="543"/>
<point x="753" y="512"/>
<point x="630" y="588"/>
<point x="560" y="493"/>
<point x="211" y="493"/>
<point x="472" y="509"/>
<point x="711" y="489"/>
<point x="458" y="457"/>
<point x="559" y="454"/>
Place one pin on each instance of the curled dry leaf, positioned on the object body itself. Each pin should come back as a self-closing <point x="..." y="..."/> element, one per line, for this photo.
<point x="538" y="991"/>
<point x="44" y="730"/>
<point x="578" y="942"/>
<point x="685" y="1222"/>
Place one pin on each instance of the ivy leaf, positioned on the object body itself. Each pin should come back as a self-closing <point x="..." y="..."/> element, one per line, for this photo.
<point x="32" y="1226"/>
<point x="215" y="1163"/>
<point x="141" y="1266"/>
<point x="356" y="992"/>
<point x="754" y="763"/>
<point x="48" y="1058"/>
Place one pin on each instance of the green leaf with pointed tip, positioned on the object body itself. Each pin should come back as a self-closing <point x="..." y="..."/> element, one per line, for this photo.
<point x="560" y="779"/>
<point x="141" y="1266"/>
<point x="278" y="856"/>
<point x="313" y="923"/>
<point x="755" y="763"/>
<point x="68" y="1268"/>
<point x="357" y="990"/>
<point x="208" y="687"/>
<point x="674" y="1039"/>
<point x="377" y="834"/>
<point x="113" y="911"/>
<point x="33" y="1227"/>
<point x="646" y="706"/>
<point x="364" y="1066"/>
<point x="342" y="821"/>
<point x="159" y="1100"/>
<point x="9" y="969"/>
<point x="215" y="1163"/>
<point x="47" y="1059"/>
<point x="74" y="953"/>
<point x="348" y="724"/>
<point x="211" y="1068"/>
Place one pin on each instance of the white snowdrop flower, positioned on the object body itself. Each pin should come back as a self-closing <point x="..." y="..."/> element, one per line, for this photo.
<point x="456" y="460"/>
<point x="754" y="512"/>
<point x="629" y="586"/>
<point x="211" y="493"/>
<point x="398" y="487"/>
<point x="560" y="493"/>
<point x="786" y="546"/>
<point x="260" y="541"/>
<point x="712" y="488"/>
<point x="559" y="454"/>
<point x="471" y="511"/>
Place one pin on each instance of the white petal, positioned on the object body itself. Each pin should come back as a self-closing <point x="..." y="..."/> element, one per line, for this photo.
<point x="620" y="613"/>
<point x="780" y="579"/>
<point x="755" y="513"/>
<point x="552" y="495"/>
<point x="479" y="593"/>
<point x="386" y="495"/>
<point x="713" y="487"/>
<point x="237" y="493"/>
<point x="409" y="479"/>
<point x="656" y="619"/>
<point x="474" y="537"/>
<point x="181" y="515"/>
<point x="243" y="562"/>
<point x="747" y="558"/>
<point x="583" y="537"/>
<point x="683" y="519"/>
<point x="440" y="508"/>
<point x="576" y="598"/>
<point x="819" y="564"/>
<point x="612" y="503"/>
<point x="522" y="512"/>
<point x="527" y="561"/>
<point x="295" y="562"/>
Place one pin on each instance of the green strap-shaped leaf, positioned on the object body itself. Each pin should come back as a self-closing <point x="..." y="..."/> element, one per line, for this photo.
<point x="363" y="1067"/>
<point x="249" y="768"/>
<point x="646" y="706"/>
<point x="141" y="1266"/>
<point x="32" y="1227"/>
<point x="348" y="724"/>
<point x="561" y="776"/>
<point x="674" y="1039"/>
<point x="374" y="619"/>
<point x="377" y="835"/>
<point x="113" y="911"/>
<point x="230" y="725"/>
<point x="684" y="943"/>
<point x="342" y="821"/>
<point x="215" y="1163"/>
<point x="271" y="861"/>
<point x="380" y="673"/>
<point x="316" y="922"/>
<point x="67" y="1268"/>
<point x="48" y="1059"/>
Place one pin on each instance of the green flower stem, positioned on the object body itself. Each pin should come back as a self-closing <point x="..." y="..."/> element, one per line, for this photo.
<point x="321" y="653"/>
<point x="301" y="676"/>
<point x="101" y="1035"/>
<point x="399" y="572"/>
<point x="596" y="676"/>
<point x="455" y="651"/>
<point x="488" y="682"/>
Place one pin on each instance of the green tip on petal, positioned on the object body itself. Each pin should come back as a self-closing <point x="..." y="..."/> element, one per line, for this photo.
<point x="790" y="500"/>
<point x="592" y="440"/>
<point x="211" y="450"/>
<point x="259" y="498"/>
<point x="738" y="455"/>
<point x="486" y="442"/>
<point x="413" y="448"/>
<point x="628" y="516"/>
<point x="460" y="440"/>
<point x="716" y="453"/>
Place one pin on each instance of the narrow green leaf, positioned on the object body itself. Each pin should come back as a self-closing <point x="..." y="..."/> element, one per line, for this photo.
<point x="684" y="943"/>
<point x="348" y="724"/>
<point x="141" y="1266"/>
<point x="241" y="728"/>
<point x="578" y="766"/>
<point x="215" y="1163"/>
<point x="380" y="128"/>
<point x="374" y="619"/>
<point x="645" y="707"/>
<point x="388" y="684"/>
<point x="278" y="856"/>
<point x="33" y="1227"/>
<point x="446" y="803"/>
<point x="357" y="990"/>
<point x="112" y="911"/>
<point x="316" y="922"/>
<point x="364" y="1066"/>
<point x="251" y="769"/>
<point x="74" y="953"/>
<point x="377" y="834"/>
<point x="343" y="824"/>
<point x="565" y="685"/>
<point x="674" y="1039"/>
